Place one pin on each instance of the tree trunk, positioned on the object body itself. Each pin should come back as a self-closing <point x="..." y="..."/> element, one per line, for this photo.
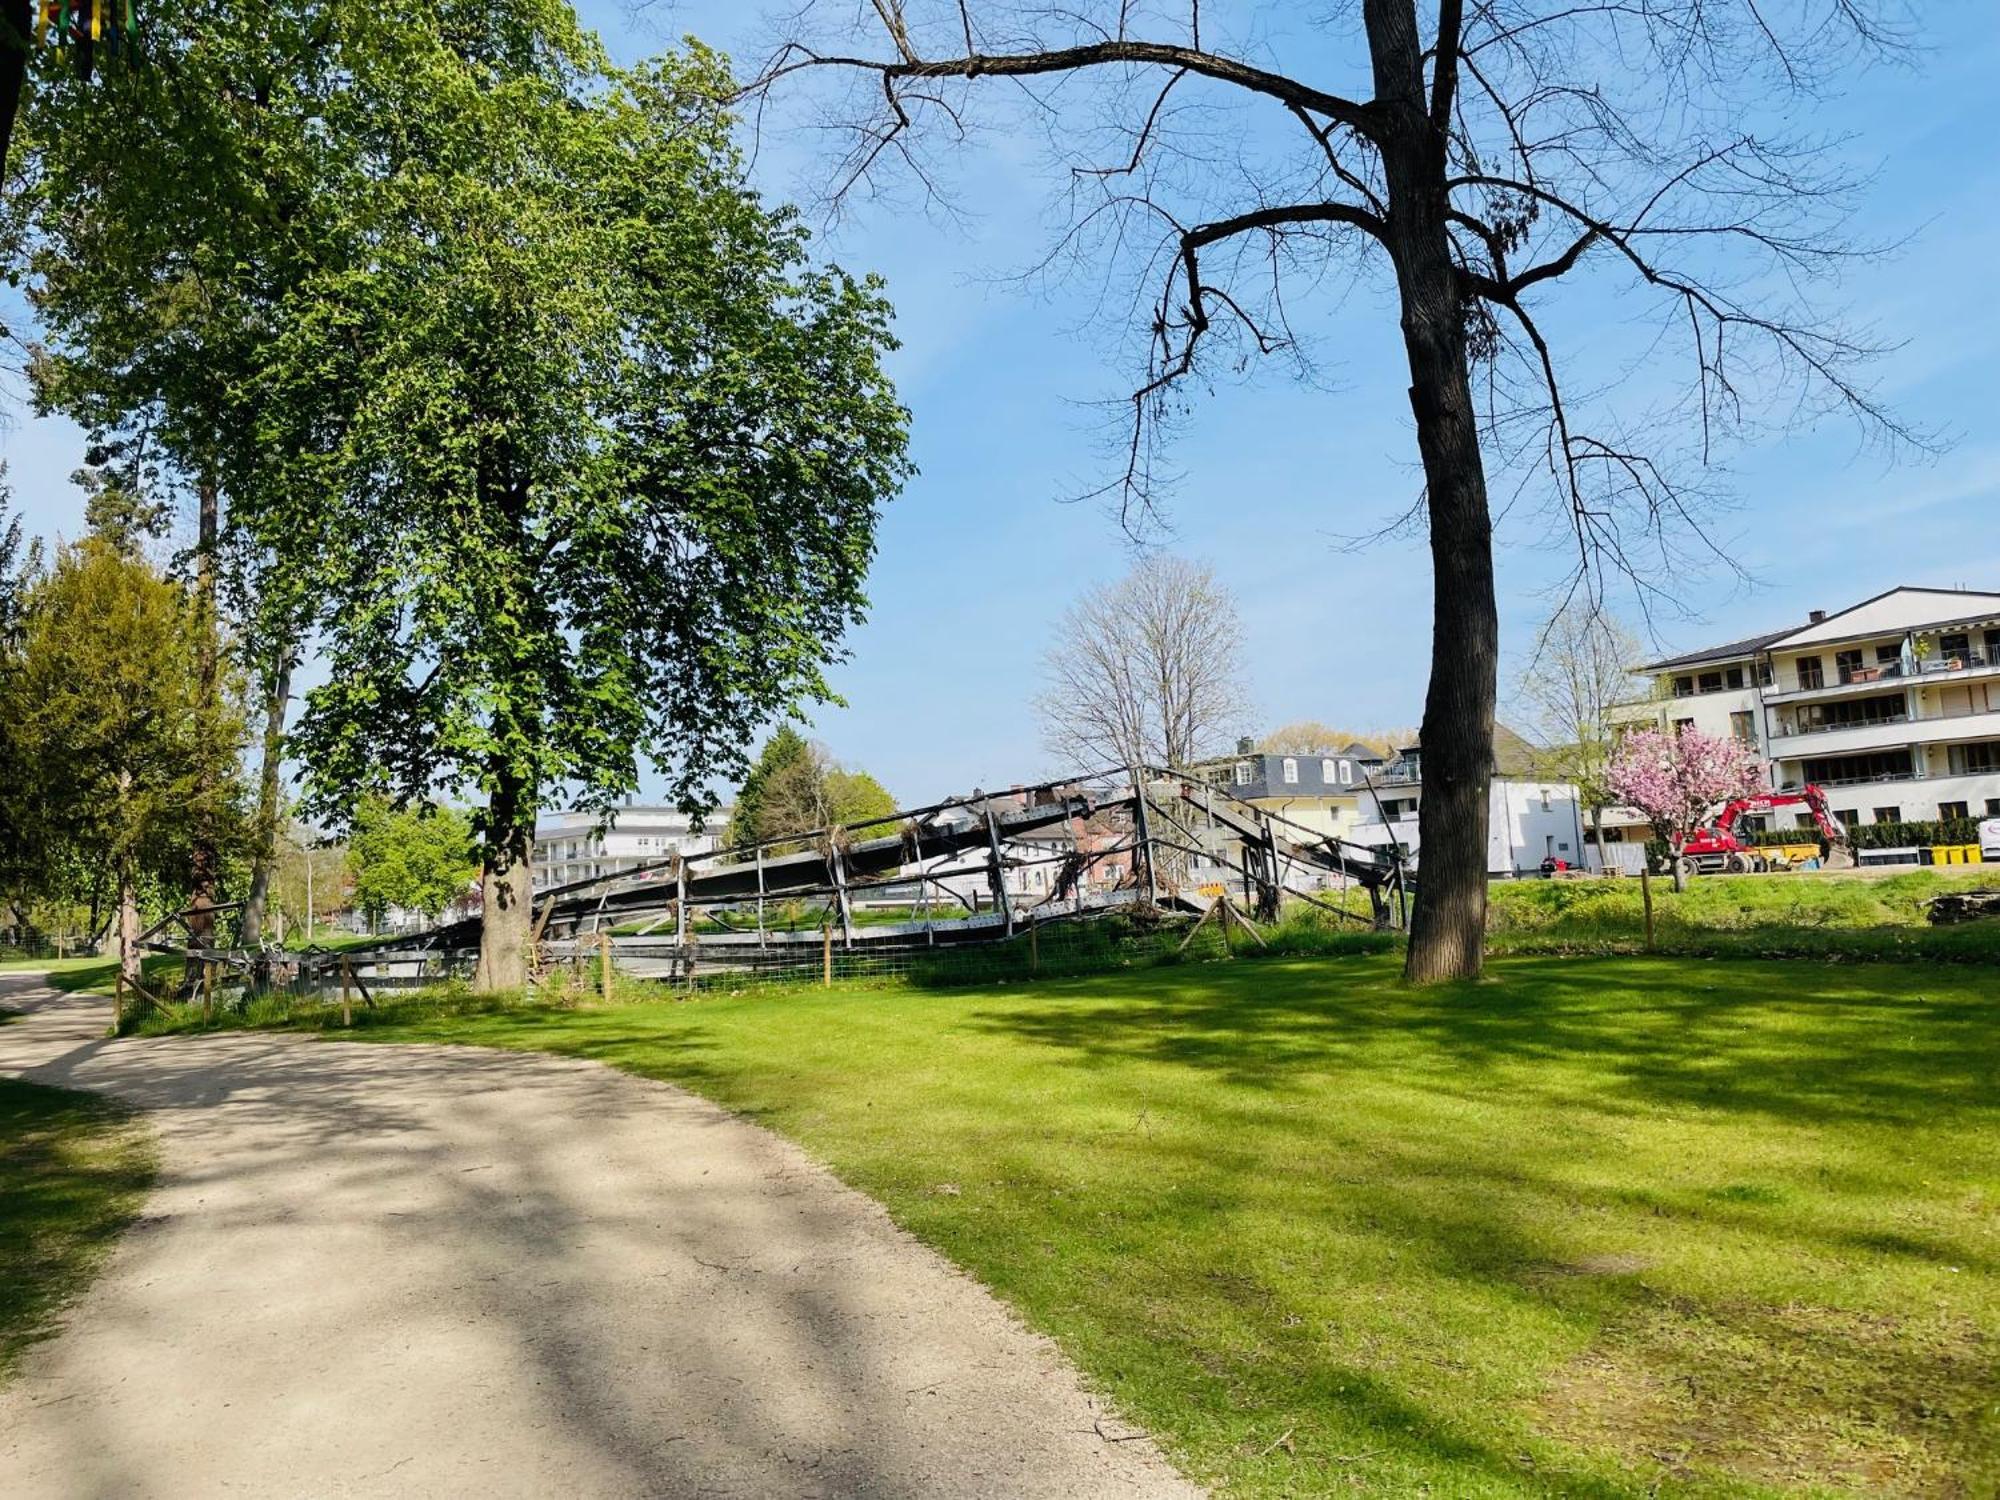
<point x="1597" y="833"/>
<point x="205" y="865"/>
<point x="1447" y="932"/>
<point x="128" y="924"/>
<point x="17" y="26"/>
<point x="265" y="859"/>
<point x="506" y="887"/>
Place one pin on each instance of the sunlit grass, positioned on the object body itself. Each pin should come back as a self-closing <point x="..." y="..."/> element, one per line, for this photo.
<point x="1593" y="1228"/>
<point x="73" y="1170"/>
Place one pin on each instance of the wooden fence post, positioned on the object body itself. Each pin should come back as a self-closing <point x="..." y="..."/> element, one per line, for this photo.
<point x="207" y="992"/>
<point x="346" y="999"/>
<point x="1034" y="952"/>
<point x="826" y="954"/>
<point x="1646" y="895"/>
<point x="604" y="962"/>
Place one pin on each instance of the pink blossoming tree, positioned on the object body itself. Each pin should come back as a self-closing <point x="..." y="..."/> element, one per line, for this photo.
<point x="1677" y="779"/>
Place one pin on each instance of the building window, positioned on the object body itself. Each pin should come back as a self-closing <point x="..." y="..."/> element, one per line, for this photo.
<point x="1743" y="727"/>
<point x="1955" y="647"/>
<point x="1954" y="810"/>
<point x="1977" y="759"/>
<point x="1846" y="664"/>
<point x="1993" y="807"/>
<point x="1347" y="773"/>
<point x="1888" y="655"/>
<point x="1683" y="687"/>
<point x="1849" y="817"/>
<point x="1734" y="677"/>
<point x="1803" y="820"/>
<point x="1881" y="765"/>
<point x="1810" y="673"/>
<point x="1764" y="678"/>
<point x="1545" y="800"/>
<point x="1291" y="772"/>
<point x="1709" y="682"/>
<point x="1888" y="815"/>
<point x="1327" y="773"/>
<point x="1681" y="726"/>
<point x="1243" y="773"/>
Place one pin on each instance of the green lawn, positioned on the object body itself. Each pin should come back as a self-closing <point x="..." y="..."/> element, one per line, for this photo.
<point x="73" y="1170"/>
<point x="1614" y="1227"/>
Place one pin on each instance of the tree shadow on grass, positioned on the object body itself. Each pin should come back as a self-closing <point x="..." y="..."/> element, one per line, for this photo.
<point x="1881" y="1044"/>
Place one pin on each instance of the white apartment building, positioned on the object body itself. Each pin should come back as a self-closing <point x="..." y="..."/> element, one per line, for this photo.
<point x="1528" y="821"/>
<point x="569" y="846"/>
<point x="1891" y="705"/>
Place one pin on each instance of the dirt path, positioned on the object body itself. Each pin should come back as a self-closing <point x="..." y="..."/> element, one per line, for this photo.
<point x="374" y="1270"/>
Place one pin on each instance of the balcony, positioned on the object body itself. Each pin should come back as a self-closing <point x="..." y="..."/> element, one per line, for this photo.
<point x="1938" y="726"/>
<point x="1847" y="681"/>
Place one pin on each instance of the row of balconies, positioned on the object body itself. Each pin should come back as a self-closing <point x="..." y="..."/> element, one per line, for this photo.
<point x="1791" y="686"/>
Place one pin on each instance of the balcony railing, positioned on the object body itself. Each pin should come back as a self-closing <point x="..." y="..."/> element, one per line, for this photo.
<point x="1894" y="671"/>
<point x="1784" y="732"/>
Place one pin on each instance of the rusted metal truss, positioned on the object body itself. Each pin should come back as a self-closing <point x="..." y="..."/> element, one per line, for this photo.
<point x="966" y="870"/>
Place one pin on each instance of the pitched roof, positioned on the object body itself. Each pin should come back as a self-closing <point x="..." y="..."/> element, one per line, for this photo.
<point x="1727" y="651"/>
<point x="1513" y="754"/>
<point x="1955" y="605"/>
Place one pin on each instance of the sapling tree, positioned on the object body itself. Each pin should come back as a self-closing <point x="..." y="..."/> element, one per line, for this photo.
<point x="1229" y="165"/>
<point x="1678" y="779"/>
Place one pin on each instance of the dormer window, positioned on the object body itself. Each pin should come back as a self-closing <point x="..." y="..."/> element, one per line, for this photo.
<point x="1291" y="772"/>
<point x="1243" y="773"/>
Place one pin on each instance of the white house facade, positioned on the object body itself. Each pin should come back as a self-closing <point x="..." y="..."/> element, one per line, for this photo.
<point x="570" y="846"/>
<point x="1528" y="821"/>
<point x="1891" y="705"/>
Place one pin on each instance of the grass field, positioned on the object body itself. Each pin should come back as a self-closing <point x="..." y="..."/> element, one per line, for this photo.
<point x="1594" y="1228"/>
<point x="73" y="1170"/>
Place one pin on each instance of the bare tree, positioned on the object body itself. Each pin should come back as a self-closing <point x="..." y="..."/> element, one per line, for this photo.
<point x="1567" y="691"/>
<point x="1145" y="671"/>
<point x="1482" y="153"/>
<point x="1310" y="737"/>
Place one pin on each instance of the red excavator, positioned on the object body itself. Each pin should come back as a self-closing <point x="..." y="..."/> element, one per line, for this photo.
<point x="1717" y="848"/>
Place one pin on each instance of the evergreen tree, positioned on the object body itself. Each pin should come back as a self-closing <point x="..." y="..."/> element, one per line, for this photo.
<point x="124" y="754"/>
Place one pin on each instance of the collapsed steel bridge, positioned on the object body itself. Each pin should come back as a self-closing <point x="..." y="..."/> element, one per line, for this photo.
<point x="977" y="869"/>
<point x="973" y="869"/>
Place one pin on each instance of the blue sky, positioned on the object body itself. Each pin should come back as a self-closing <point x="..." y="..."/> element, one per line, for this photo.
<point x="982" y="551"/>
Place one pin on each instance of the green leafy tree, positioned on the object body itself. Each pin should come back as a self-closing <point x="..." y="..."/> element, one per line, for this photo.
<point x="856" y="797"/>
<point x="785" y="749"/>
<point x="127" y="750"/>
<point x="573" y="454"/>
<point x="418" y="858"/>
<point x="796" y="786"/>
<point x="609" y="486"/>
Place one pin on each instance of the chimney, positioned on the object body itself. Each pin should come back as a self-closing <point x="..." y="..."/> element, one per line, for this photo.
<point x="1245" y="745"/>
<point x="1816" y="617"/>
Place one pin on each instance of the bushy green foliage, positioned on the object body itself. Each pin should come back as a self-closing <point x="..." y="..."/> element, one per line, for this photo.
<point x="418" y="858"/>
<point x="1921" y="834"/>
<point x="124" y="754"/>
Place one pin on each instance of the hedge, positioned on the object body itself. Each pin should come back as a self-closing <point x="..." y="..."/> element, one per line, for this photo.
<point x="1920" y="834"/>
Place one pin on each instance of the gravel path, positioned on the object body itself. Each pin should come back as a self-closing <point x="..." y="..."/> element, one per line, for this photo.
<point x="377" y="1270"/>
